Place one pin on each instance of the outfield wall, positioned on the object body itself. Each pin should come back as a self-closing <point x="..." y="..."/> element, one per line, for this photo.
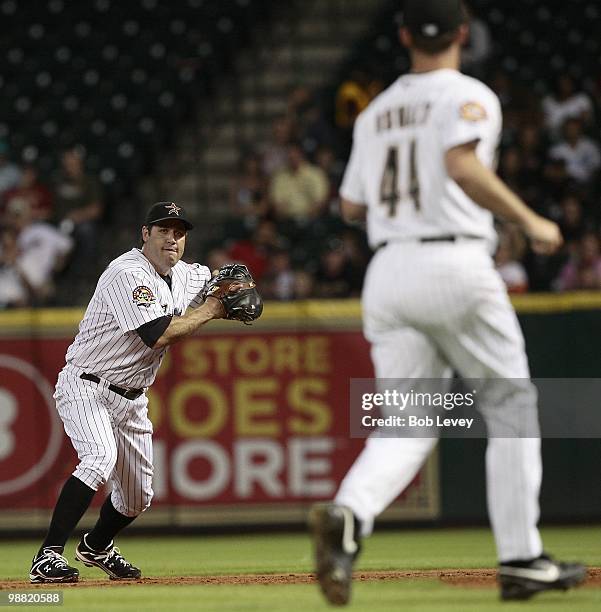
<point x="251" y="423"/>
<point x="563" y="341"/>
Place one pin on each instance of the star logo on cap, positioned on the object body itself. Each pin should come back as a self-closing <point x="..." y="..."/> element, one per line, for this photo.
<point x="173" y="209"/>
<point x="430" y="29"/>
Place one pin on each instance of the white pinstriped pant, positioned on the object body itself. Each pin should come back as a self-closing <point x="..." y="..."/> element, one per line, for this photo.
<point x="427" y="309"/>
<point x="112" y="436"/>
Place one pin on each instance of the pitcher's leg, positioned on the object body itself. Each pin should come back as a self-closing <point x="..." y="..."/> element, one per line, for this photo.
<point x="514" y="472"/>
<point x="387" y="465"/>
<point x="490" y="348"/>
<point x="383" y="470"/>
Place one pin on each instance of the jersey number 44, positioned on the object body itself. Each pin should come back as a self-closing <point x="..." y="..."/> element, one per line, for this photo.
<point x="391" y="190"/>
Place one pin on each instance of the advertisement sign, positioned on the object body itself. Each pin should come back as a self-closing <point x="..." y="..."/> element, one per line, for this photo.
<point x="249" y="427"/>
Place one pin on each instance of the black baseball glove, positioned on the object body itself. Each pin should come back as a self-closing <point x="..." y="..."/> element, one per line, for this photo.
<point x="234" y="286"/>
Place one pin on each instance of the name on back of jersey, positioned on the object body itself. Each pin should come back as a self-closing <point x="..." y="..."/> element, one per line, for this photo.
<point x="403" y="116"/>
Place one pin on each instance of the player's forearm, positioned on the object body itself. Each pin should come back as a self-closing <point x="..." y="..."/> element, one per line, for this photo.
<point x="485" y="188"/>
<point x="180" y="327"/>
<point x="352" y="212"/>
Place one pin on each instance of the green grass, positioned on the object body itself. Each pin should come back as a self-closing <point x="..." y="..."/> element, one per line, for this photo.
<point x="418" y="549"/>
<point x="416" y="596"/>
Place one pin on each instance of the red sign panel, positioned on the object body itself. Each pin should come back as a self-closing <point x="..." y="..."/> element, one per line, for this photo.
<point x="239" y="419"/>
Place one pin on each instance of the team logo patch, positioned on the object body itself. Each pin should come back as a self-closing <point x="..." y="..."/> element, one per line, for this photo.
<point x="473" y="111"/>
<point x="143" y="296"/>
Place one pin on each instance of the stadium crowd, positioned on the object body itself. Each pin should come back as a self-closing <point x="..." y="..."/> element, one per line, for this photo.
<point x="45" y="230"/>
<point x="283" y="219"/>
<point x="286" y="191"/>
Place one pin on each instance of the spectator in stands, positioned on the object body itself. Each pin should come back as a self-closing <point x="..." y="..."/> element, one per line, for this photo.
<point x="275" y="151"/>
<point x="581" y="155"/>
<point x="572" y="222"/>
<point x="216" y="258"/>
<point x="476" y="52"/>
<point x="583" y="270"/>
<point x="335" y="277"/>
<point x="299" y="101"/>
<point x="248" y="192"/>
<point x="78" y="203"/>
<point x="518" y="104"/>
<point x="353" y="96"/>
<point x="502" y="85"/>
<point x="306" y="113"/>
<point x="298" y="192"/>
<point x="354" y="245"/>
<point x="13" y="289"/>
<point x="256" y="251"/>
<point x="279" y="280"/>
<point x="510" y="168"/>
<point x="29" y="189"/>
<point x="304" y="285"/>
<point x="508" y="265"/>
<point x="325" y="158"/>
<point x="530" y="142"/>
<point x="314" y="131"/>
<point x="10" y="173"/>
<point x="557" y="183"/>
<point x="596" y="96"/>
<point x="42" y="249"/>
<point x="566" y="103"/>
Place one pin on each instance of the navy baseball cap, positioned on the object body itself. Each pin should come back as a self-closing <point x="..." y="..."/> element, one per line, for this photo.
<point x="162" y="211"/>
<point x="432" y="18"/>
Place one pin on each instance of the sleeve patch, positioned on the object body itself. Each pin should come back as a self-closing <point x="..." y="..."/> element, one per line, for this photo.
<point x="143" y="296"/>
<point x="473" y="111"/>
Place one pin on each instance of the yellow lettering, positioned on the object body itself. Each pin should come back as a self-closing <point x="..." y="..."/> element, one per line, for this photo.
<point x="286" y="355"/>
<point x="249" y="408"/>
<point x="208" y="395"/>
<point x="195" y="361"/>
<point x="223" y="350"/>
<point x="252" y="356"/>
<point x="301" y="398"/>
<point x="317" y="354"/>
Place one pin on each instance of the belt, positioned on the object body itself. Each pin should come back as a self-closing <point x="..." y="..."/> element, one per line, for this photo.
<point x="130" y="394"/>
<point x="444" y="238"/>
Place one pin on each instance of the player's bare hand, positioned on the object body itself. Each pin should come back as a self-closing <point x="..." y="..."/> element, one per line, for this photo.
<point x="544" y="234"/>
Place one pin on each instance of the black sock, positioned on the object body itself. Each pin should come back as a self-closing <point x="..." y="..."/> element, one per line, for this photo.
<point x="74" y="500"/>
<point x="108" y="526"/>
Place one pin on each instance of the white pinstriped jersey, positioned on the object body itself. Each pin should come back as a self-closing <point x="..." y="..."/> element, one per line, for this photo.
<point x="397" y="165"/>
<point x="130" y="293"/>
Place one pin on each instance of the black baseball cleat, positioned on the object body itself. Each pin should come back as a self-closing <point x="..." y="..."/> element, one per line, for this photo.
<point x="523" y="579"/>
<point x="336" y="540"/>
<point x="49" y="566"/>
<point x="109" y="560"/>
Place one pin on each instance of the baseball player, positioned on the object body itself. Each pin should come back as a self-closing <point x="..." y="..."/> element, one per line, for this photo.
<point x="420" y="171"/>
<point x="145" y="300"/>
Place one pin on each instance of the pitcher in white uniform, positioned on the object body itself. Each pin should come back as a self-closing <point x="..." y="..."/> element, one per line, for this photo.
<point x="421" y="174"/>
<point x="145" y="300"/>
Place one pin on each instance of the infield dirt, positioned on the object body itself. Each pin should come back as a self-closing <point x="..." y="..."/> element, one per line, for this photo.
<point x="459" y="577"/>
